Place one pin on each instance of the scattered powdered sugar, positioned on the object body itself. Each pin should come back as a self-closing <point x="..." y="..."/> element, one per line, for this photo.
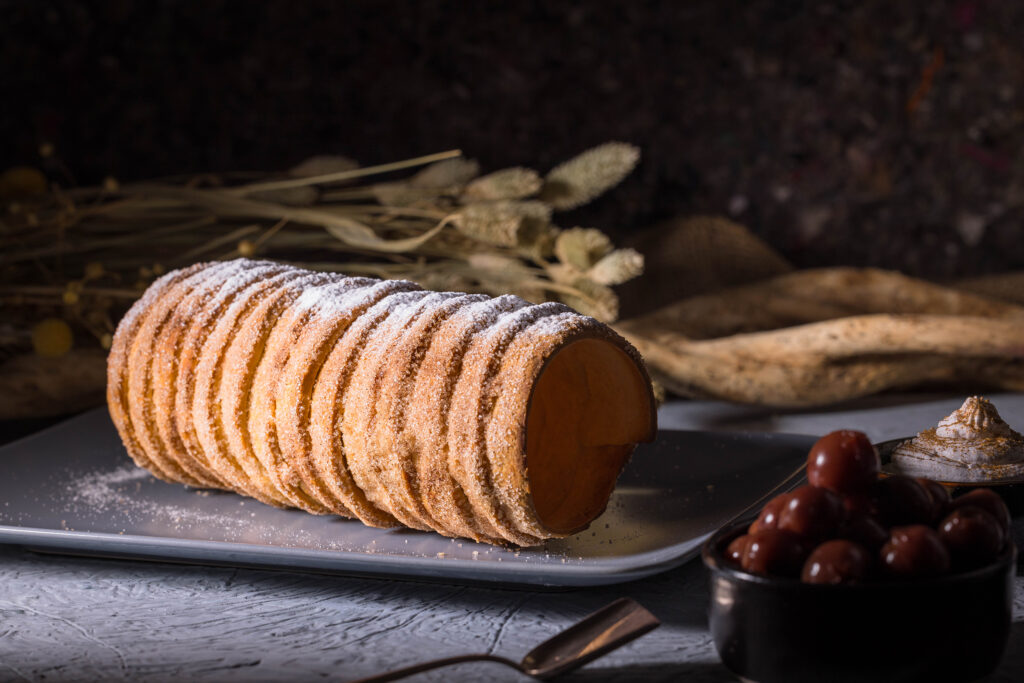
<point x="124" y="490"/>
<point x="120" y="490"/>
<point x="102" y="489"/>
<point x="131" y="493"/>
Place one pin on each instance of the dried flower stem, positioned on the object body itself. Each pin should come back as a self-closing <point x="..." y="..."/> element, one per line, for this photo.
<point x="345" y="175"/>
<point x="83" y="253"/>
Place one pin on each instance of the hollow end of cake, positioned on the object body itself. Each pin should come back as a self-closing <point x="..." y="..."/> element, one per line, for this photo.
<point x="591" y="404"/>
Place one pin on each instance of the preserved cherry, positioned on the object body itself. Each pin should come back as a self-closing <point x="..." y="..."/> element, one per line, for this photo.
<point x="774" y="551"/>
<point x="737" y="548"/>
<point x="972" y="535"/>
<point x="989" y="501"/>
<point x="939" y="495"/>
<point x="769" y="517"/>
<point x="864" y="529"/>
<point x="860" y="525"/>
<point x="861" y="503"/>
<point x="915" y="551"/>
<point x="902" y="500"/>
<point x="812" y="513"/>
<point x="844" y="462"/>
<point x="837" y="561"/>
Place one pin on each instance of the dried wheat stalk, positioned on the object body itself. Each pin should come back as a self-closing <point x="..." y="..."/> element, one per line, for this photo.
<point x="74" y="259"/>
<point x="81" y="254"/>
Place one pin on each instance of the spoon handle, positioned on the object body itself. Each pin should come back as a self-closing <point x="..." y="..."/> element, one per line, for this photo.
<point x="435" y="664"/>
<point x="782" y="487"/>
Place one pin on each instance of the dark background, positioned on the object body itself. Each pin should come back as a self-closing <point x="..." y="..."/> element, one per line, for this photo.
<point x="867" y="133"/>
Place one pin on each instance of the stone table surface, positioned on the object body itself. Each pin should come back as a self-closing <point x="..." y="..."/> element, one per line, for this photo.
<point x="72" y="619"/>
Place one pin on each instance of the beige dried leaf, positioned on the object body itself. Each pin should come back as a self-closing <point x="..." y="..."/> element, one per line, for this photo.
<point x="354" y="233"/>
<point x="563" y="273"/>
<point x="584" y="177"/>
<point x="499" y="222"/>
<point x="496" y="267"/>
<point x="617" y="267"/>
<point x="834" y="360"/>
<point x="489" y="223"/>
<point x="400" y="193"/>
<point x="322" y="165"/>
<point x="582" y="247"/>
<point x="447" y="173"/>
<point x="593" y="299"/>
<point x="509" y="183"/>
<point x="495" y="262"/>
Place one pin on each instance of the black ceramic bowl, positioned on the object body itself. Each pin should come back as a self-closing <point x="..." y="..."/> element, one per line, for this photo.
<point x="768" y="629"/>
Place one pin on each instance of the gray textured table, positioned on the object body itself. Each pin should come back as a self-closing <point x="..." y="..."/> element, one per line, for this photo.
<point x="64" y="619"/>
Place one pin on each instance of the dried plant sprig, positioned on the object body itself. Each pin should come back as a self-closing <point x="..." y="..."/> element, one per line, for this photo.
<point x="598" y="300"/>
<point x="582" y="247"/>
<point x="621" y="265"/>
<point x="500" y="222"/>
<point x="82" y="254"/>
<point x="509" y="183"/>
<point x="323" y="164"/>
<point x="585" y="177"/>
<point x="449" y="173"/>
<point x="347" y="174"/>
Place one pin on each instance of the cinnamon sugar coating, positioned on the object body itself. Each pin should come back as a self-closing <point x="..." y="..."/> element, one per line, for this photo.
<point x="376" y="400"/>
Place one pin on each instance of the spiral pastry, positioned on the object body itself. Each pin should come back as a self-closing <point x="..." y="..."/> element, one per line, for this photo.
<point x="488" y="418"/>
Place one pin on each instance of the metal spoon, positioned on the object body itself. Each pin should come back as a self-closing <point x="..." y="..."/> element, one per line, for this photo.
<point x="603" y="631"/>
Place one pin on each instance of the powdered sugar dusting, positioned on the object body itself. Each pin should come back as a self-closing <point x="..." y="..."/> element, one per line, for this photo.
<point x="335" y="297"/>
<point x="344" y="394"/>
<point x="119" y="490"/>
<point x="100" y="489"/>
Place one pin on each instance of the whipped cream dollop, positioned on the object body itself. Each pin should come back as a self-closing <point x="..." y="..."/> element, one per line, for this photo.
<point x="970" y="445"/>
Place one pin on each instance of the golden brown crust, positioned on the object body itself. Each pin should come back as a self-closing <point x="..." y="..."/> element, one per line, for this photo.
<point x="209" y="418"/>
<point x="430" y="417"/>
<point x="269" y="377"/>
<point x="328" y="445"/>
<point x="505" y="434"/>
<point x="197" y="317"/>
<point x="244" y="357"/>
<point x="472" y="405"/>
<point x="155" y="350"/>
<point x="396" y="437"/>
<point x="376" y="400"/>
<point x="166" y="355"/>
<point x="118" y="366"/>
<point x="345" y="470"/>
<point x="331" y="310"/>
<point x="368" y="459"/>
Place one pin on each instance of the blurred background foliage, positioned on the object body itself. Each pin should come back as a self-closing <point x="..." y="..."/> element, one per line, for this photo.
<point x="859" y="133"/>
